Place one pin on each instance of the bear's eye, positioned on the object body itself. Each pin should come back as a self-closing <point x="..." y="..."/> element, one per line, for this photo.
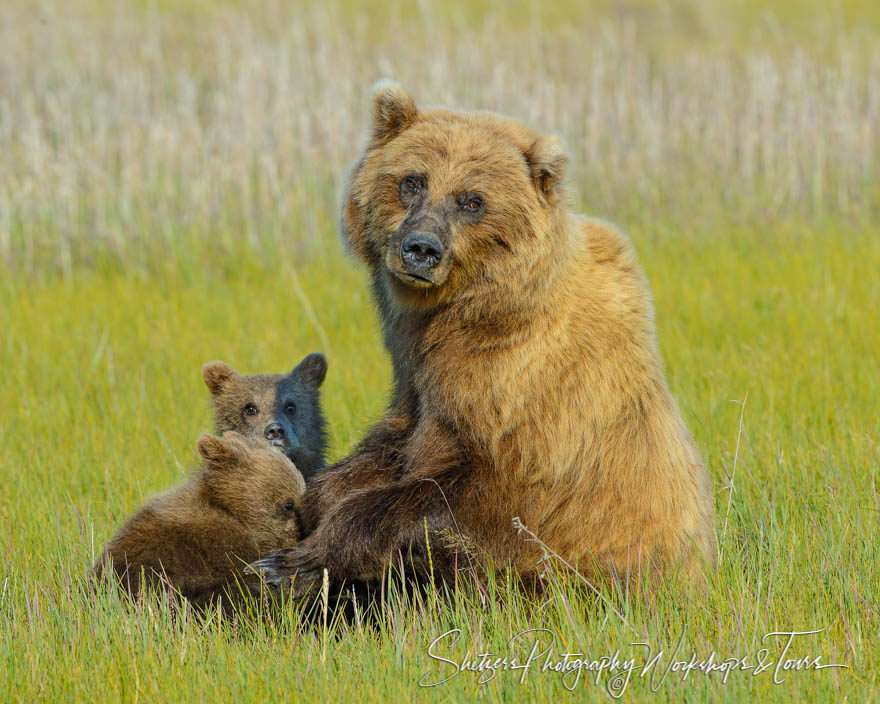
<point x="410" y="186"/>
<point x="250" y="410"/>
<point x="290" y="408"/>
<point x="472" y="204"/>
<point x="288" y="506"/>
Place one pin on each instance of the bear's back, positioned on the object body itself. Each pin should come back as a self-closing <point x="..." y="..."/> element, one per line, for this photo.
<point x="179" y="538"/>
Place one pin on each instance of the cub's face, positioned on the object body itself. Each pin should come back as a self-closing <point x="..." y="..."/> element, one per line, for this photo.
<point x="443" y="203"/>
<point x="285" y="410"/>
<point x="255" y="483"/>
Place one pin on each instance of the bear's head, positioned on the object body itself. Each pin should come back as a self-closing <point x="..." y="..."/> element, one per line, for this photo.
<point x="443" y="204"/>
<point x="256" y="484"/>
<point x="285" y="409"/>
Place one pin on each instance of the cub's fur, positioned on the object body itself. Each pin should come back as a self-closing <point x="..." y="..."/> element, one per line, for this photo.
<point x="244" y="501"/>
<point x="527" y="380"/>
<point x="283" y="408"/>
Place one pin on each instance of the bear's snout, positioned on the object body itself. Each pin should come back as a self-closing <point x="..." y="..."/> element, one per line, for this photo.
<point x="420" y="253"/>
<point x="274" y="434"/>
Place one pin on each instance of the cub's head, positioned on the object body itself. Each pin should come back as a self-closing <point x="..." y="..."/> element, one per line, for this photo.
<point x="256" y="484"/>
<point x="284" y="409"/>
<point x="444" y="204"/>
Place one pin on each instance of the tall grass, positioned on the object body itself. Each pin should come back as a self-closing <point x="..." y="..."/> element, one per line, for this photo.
<point x="102" y="402"/>
<point x="169" y="179"/>
<point x="125" y="130"/>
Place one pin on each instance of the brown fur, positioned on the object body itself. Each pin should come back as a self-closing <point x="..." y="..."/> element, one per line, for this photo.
<point x="252" y="404"/>
<point x="527" y="378"/>
<point x="242" y="503"/>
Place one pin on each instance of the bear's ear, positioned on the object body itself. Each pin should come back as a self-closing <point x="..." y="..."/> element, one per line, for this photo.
<point x="548" y="163"/>
<point x="217" y="375"/>
<point x="393" y="110"/>
<point x="312" y="369"/>
<point x="227" y="451"/>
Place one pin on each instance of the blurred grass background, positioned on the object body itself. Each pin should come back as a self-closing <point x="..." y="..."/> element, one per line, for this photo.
<point x="169" y="180"/>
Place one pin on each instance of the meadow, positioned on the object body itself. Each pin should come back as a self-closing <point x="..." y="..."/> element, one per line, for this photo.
<point x="170" y="175"/>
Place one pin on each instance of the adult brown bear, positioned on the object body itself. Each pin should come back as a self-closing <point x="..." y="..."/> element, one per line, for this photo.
<point x="527" y="381"/>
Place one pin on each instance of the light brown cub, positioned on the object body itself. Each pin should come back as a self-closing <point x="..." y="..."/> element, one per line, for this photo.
<point x="242" y="503"/>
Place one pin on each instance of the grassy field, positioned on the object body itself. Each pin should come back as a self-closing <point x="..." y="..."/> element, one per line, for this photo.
<point x="169" y="178"/>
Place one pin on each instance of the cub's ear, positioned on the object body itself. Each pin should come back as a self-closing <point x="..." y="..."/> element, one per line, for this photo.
<point x="393" y="110"/>
<point x="548" y="163"/>
<point x="312" y="369"/>
<point x="226" y="451"/>
<point x="217" y="375"/>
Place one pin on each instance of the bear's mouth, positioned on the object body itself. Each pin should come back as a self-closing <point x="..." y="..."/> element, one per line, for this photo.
<point x="414" y="280"/>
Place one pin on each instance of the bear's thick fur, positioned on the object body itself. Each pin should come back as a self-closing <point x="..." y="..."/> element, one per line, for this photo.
<point x="283" y="408"/>
<point x="527" y="380"/>
<point x="244" y="502"/>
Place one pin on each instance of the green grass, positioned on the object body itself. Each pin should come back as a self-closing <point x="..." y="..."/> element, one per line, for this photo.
<point x="103" y="401"/>
<point x="169" y="178"/>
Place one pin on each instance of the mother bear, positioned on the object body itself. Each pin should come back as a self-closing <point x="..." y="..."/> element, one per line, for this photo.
<point x="527" y="381"/>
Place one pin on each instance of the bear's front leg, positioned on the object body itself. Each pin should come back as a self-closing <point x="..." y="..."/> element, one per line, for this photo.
<point x="376" y="462"/>
<point x="358" y="538"/>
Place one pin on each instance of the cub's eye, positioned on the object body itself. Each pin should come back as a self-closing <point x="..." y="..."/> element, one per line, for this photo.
<point x="290" y="408"/>
<point x="410" y="186"/>
<point x="250" y="410"/>
<point x="472" y="204"/>
<point x="288" y="506"/>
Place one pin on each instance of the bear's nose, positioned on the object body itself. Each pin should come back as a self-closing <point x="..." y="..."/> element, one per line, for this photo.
<point x="274" y="431"/>
<point x="421" y="250"/>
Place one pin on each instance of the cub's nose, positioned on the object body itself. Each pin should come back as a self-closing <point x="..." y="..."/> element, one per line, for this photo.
<point x="274" y="431"/>
<point x="421" y="250"/>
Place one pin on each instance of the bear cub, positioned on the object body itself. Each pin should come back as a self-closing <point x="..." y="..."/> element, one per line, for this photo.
<point x="242" y="503"/>
<point x="285" y="409"/>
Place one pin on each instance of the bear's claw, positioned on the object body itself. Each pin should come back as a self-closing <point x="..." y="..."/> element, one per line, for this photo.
<point x="272" y="567"/>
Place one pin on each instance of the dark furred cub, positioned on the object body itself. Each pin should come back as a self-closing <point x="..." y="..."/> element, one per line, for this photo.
<point x="283" y="408"/>
<point x="244" y="502"/>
